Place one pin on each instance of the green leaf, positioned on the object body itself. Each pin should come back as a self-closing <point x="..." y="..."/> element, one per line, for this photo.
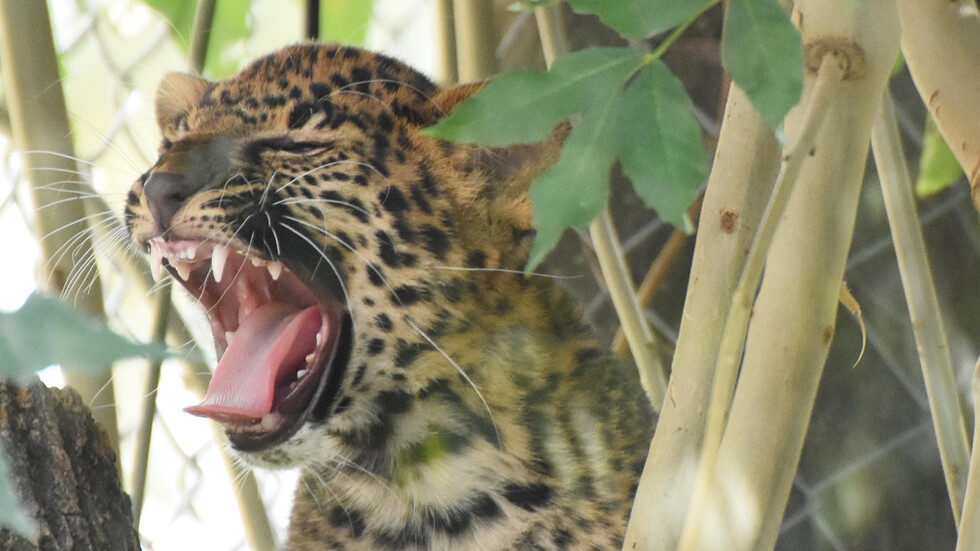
<point x="525" y="106"/>
<point x="641" y="19"/>
<point x="938" y="167"/>
<point x="46" y="331"/>
<point x="764" y="54"/>
<point x="345" y="21"/>
<point x="12" y="515"/>
<point x="573" y="191"/>
<point x="660" y="146"/>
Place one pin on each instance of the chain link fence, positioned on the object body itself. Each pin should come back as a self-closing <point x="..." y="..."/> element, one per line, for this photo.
<point x="869" y="478"/>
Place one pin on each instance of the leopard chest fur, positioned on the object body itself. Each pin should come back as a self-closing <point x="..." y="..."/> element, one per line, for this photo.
<point x="363" y="284"/>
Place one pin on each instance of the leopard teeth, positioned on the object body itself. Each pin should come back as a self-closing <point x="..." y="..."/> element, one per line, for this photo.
<point x="275" y="270"/>
<point x="183" y="268"/>
<point x="257" y="262"/>
<point x="218" y="258"/>
<point x="309" y="357"/>
<point x="301" y="373"/>
<point x="229" y="335"/>
<point x="270" y="420"/>
<point x="156" y="261"/>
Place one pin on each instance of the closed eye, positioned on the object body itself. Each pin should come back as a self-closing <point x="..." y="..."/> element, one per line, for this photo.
<point x="286" y="145"/>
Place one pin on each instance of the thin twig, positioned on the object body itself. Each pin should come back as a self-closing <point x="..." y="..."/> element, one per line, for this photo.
<point x="969" y="526"/>
<point x="201" y="34"/>
<point x="920" y="294"/>
<point x="145" y="429"/>
<point x="658" y="271"/>
<point x="655" y="276"/>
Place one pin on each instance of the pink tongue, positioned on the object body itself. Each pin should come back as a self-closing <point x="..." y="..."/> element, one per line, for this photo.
<point x="269" y="345"/>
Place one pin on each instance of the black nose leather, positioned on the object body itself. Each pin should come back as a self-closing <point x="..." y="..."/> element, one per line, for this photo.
<point x="165" y="194"/>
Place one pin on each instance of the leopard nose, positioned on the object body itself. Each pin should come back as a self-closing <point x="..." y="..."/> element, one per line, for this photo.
<point x="165" y="194"/>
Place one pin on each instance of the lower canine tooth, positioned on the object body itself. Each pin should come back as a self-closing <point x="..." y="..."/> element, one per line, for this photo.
<point x="270" y="420"/>
<point x="183" y="268"/>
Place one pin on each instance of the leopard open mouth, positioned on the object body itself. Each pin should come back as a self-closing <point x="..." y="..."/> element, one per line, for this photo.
<point x="283" y="339"/>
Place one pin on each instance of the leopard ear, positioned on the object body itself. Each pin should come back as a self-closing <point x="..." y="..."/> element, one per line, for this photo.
<point x="177" y="94"/>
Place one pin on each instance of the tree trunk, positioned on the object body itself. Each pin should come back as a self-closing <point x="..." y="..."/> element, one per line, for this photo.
<point x="64" y="472"/>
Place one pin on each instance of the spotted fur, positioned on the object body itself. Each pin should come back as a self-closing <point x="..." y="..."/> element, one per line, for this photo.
<point x="476" y="411"/>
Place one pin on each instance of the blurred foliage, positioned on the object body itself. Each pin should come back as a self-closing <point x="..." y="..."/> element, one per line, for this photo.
<point x="345" y="21"/>
<point x="938" y="167"/>
<point x="45" y="332"/>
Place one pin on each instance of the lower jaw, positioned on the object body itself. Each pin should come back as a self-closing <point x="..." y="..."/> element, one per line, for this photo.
<point x="315" y="408"/>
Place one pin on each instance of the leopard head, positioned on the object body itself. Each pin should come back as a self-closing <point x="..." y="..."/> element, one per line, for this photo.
<point x="299" y="203"/>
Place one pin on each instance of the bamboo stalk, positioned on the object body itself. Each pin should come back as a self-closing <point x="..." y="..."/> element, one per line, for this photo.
<point x="258" y="529"/>
<point x="638" y="333"/>
<point x="201" y="34"/>
<point x="947" y="31"/>
<point x="745" y="166"/>
<point x="969" y="526"/>
<point x="144" y="430"/>
<point x="737" y="321"/>
<point x="920" y="294"/>
<point x="794" y="316"/>
<point x="475" y="40"/>
<point x="39" y="121"/>
<point x="312" y="20"/>
<point x="445" y="42"/>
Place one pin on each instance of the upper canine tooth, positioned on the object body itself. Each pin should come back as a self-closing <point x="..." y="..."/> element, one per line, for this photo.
<point x="218" y="257"/>
<point x="183" y="268"/>
<point x="275" y="269"/>
<point x="156" y="261"/>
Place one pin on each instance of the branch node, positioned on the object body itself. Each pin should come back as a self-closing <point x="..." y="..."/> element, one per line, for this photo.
<point x="843" y="51"/>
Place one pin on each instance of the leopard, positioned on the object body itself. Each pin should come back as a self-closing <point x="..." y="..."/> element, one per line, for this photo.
<point x="375" y="327"/>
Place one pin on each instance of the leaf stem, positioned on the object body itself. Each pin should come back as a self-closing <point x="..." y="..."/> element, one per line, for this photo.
<point x="674" y="35"/>
<point x="920" y="294"/>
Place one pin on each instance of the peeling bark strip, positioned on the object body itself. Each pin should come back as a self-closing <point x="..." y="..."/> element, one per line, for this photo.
<point x="65" y="472"/>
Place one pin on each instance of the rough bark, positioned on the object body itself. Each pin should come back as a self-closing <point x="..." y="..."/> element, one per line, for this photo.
<point x="64" y="471"/>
